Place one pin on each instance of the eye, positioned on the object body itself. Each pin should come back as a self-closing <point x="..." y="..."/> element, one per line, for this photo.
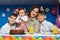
<point x="11" y="17"/>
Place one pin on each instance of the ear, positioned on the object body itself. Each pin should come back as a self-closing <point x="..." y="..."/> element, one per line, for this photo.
<point x="25" y="9"/>
<point x="8" y="18"/>
<point x="45" y="16"/>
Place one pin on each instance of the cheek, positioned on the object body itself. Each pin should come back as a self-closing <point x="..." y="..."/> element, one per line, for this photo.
<point x="35" y="14"/>
<point x="38" y="18"/>
<point x="10" y="20"/>
<point x="31" y="14"/>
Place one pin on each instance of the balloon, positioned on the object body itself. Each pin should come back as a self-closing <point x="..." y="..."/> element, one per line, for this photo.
<point x="16" y="11"/>
<point x="7" y="38"/>
<point x="58" y="21"/>
<point x="53" y="38"/>
<point x="14" y="38"/>
<point x="48" y="38"/>
<point x="10" y="38"/>
<point x="33" y="38"/>
<point x="40" y="38"/>
<point x="58" y="38"/>
<point x="54" y="10"/>
<point x="36" y="37"/>
<point x="19" y="38"/>
<point x="1" y="38"/>
<point x="27" y="38"/>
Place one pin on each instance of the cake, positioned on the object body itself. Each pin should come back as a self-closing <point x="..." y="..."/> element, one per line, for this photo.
<point x="15" y="31"/>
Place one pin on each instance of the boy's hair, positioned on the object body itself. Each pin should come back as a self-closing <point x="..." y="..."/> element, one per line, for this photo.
<point x="42" y="13"/>
<point x="13" y="14"/>
<point x="21" y="8"/>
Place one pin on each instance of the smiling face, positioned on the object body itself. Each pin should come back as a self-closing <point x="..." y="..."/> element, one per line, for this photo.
<point x="34" y="12"/>
<point x="41" y="17"/>
<point x="22" y="12"/>
<point x="12" y="19"/>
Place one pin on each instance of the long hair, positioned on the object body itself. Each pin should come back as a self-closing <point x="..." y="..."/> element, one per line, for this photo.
<point x="33" y="7"/>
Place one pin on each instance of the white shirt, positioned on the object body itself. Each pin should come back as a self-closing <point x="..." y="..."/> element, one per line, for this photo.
<point x="46" y="26"/>
<point x="6" y="28"/>
<point x="24" y="18"/>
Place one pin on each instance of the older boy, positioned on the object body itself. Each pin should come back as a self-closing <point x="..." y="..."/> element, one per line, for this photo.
<point x="45" y="26"/>
<point x="10" y="25"/>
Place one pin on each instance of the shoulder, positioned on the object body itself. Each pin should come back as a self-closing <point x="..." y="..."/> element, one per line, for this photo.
<point x="48" y="22"/>
<point x="5" y="25"/>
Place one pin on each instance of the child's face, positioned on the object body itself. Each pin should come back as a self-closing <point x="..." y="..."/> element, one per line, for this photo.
<point x="12" y="19"/>
<point x="41" y="17"/>
<point x="34" y="12"/>
<point x="22" y="12"/>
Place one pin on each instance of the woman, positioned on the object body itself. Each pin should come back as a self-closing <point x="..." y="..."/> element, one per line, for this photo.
<point x="32" y="21"/>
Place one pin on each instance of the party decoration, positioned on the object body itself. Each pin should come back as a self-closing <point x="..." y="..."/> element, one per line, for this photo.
<point x="58" y="38"/>
<point x="19" y="38"/>
<point x="54" y="10"/>
<point x="1" y="38"/>
<point x="31" y="30"/>
<point x="37" y="37"/>
<point x="16" y="11"/>
<point x="55" y="30"/>
<point x="27" y="38"/>
<point x="58" y="21"/>
<point x="7" y="38"/>
<point x="41" y="8"/>
<point x="53" y="38"/>
<point x="14" y="38"/>
<point x="47" y="9"/>
<point x="3" y="14"/>
<point x="8" y="9"/>
<point x="48" y="38"/>
<point x="40" y="38"/>
<point x="33" y="38"/>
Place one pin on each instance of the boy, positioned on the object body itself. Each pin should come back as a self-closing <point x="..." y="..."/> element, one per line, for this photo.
<point x="10" y="25"/>
<point x="45" y="26"/>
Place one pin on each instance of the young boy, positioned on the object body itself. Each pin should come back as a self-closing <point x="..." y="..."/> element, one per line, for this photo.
<point x="10" y="25"/>
<point x="45" y="26"/>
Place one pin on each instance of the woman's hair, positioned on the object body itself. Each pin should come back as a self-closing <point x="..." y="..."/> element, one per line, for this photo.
<point x="33" y="7"/>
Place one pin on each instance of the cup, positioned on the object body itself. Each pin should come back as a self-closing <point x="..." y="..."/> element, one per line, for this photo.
<point x="31" y="30"/>
<point x="55" y="30"/>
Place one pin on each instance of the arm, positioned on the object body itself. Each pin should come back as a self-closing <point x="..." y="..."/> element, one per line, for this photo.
<point x="3" y="29"/>
<point x="51" y="26"/>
